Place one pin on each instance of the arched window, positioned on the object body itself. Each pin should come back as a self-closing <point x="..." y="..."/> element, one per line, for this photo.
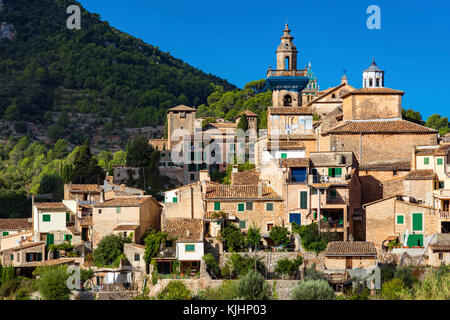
<point x="287" y="100"/>
<point x="286" y="63"/>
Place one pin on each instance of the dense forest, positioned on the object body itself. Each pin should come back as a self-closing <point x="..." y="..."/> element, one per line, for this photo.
<point x="44" y="67"/>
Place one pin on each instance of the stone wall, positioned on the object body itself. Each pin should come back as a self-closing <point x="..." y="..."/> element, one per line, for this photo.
<point x="116" y="295"/>
<point x="269" y="259"/>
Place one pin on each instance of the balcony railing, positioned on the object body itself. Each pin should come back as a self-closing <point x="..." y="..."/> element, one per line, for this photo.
<point x="443" y="193"/>
<point x="287" y="73"/>
<point x="444" y="214"/>
<point x="326" y="179"/>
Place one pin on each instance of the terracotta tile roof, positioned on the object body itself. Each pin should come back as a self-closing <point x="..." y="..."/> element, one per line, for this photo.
<point x="84" y="188"/>
<point x="285" y="145"/>
<point x="295" y="162"/>
<point x="372" y="91"/>
<point x="50" y="205"/>
<point x="240" y="192"/>
<point x="425" y="152"/>
<point x="15" y="224"/>
<point x="421" y="175"/>
<point x="350" y="248"/>
<point x="123" y="202"/>
<point x="290" y="110"/>
<point x="399" y="165"/>
<point x="380" y="127"/>
<point x="335" y="113"/>
<point x="184" y="229"/>
<point x="442" y="150"/>
<point x="126" y="227"/>
<point x="139" y="246"/>
<point x="74" y="231"/>
<point x="248" y="113"/>
<point x="245" y="178"/>
<point x="440" y="247"/>
<point x="53" y="262"/>
<point x="25" y="246"/>
<point x="181" y="108"/>
<point x="220" y="125"/>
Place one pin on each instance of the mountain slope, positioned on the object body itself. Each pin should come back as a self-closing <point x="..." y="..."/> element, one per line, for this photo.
<point x="98" y="69"/>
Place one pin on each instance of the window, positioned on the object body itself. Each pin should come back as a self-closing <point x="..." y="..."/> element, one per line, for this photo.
<point x="50" y="239"/>
<point x="333" y="194"/>
<point x="441" y="184"/>
<point x="68" y="237"/>
<point x="335" y="172"/>
<point x="118" y="209"/>
<point x="46" y="218"/>
<point x="269" y="206"/>
<point x="417" y="224"/>
<point x="182" y="115"/>
<point x="333" y="96"/>
<point x="175" y="199"/>
<point x="440" y="161"/>
<point x="426" y="160"/>
<point x="137" y="257"/>
<point x="283" y="155"/>
<point x="189" y="248"/>
<point x="287" y="100"/>
<point x="242" y="224"/>
<point x="18" y="257"/>
<point x="370" y="83"/>
<point x="378" y="82"/>
<point x="298" y="174"/>
<point x="168" y="243"/>
<point x="67" y="217"/>
<point x="394" y="173"/>
<point x="303" y="200"/>
<point x="216" y="206"/>
<point x="314" y="191"/>
<point x="5" y="233"/>
<point x="441" y="256"/>
<point x="125" y="234"/>
<point x="192" y="176"/>
<point x="400" y="219"/>
<point x="12" y="257"/>
<point x="269" y="226"/>
<point x="249" y="206"/>
<point x="241" y="207"/>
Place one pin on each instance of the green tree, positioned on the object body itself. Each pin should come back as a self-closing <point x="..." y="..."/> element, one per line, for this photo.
<point x="252" y="286"/>
<point x="280" y="235"/>
<point x="253" y="237"/>
<point x="243" y="123"/>
<point x="63" y="120"/>
<point x="232" y="237"/>
<point x="439" y="123"/>
<point x="52" y="282"/>
<point x="313" y="290"/>
<point x="175" y="290"/>
<point x="139" y="153"/>
<point x="60" y="149"/>
<point x="286" y="267"/>
<point x="410" y="113"/>
<point x="109" y="250"/>
<point x="394" y="289"/>
<point x="85" y="167"/>
<point x="153" y="241"/>
<point x="211" y="264"/>
<point x="12" y="113"/>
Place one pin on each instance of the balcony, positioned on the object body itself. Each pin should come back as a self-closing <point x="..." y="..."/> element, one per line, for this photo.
<point x="326" y="179"/>
<point x="444" y="214"/>
<point x="286" y="73"/>
<point x="443" y="193"/>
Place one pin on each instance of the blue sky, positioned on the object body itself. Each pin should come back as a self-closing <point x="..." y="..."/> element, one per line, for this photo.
<point x="237" y="40"/>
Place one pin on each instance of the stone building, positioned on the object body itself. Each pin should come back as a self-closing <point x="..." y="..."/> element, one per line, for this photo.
<point x="402" y="218"/>
<point x="11" y="226"/>
<point x="127" y="216"/>
<point x="343" y="255"/>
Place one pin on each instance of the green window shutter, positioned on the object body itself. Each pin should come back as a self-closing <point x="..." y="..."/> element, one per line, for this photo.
<point x="241" y="207"/>
<point x="242" y="224"/>
<point x="67" y="217"/>
<point x="426" y="160"/>
<point x="118" y="210"/>
<point x="216" y="206"/>
<point x="333" y="194"/>
<point x="269" y="206"/>
<point x="440" y="161"/>
<point x="415" y="240"/>
<point x="441" y="185"/>
<point x="50" y="239"/>
<point x="175" y="199"/>
<point x="46" y="218"/>
<point x="39" y="256"/>
<point x="189" y="248"/>
<point x="283" y="155"/>
<point x="12" y="257"/>
<point x="417" y="222"/>
<point x="400" y="219"/>
<point x="303" y="200"/>
<point x="5" y="233"/>
<point x="330" y="172"/>
<point x="249" y="206"/>
<point x="338" y="172"/>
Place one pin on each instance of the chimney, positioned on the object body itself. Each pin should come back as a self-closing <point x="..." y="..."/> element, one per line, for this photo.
<point x="204" y="175"/>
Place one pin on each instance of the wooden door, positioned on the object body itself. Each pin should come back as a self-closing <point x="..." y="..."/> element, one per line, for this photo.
<point x="348" y="263"/>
